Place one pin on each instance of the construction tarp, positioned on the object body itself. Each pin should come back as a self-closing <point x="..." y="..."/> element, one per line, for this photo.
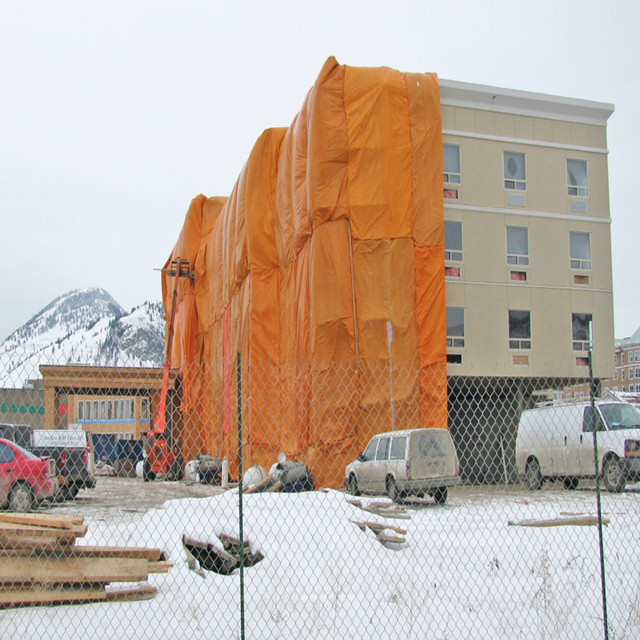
<point x="318" y="287"/>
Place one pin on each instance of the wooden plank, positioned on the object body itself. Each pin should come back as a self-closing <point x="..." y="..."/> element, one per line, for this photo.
<point x="21" y="544"/>
<point x="42" y="520"/>
<point x="576" y="521"/>
<point x="275" y="487"/>
<point x="159" y="567"/>
<point x="13" y="529"/>
<point x="45" y="596"/>
<point x="92" y="551"/>
<point x="27" y="570"/>
<point x="261" y="485"/>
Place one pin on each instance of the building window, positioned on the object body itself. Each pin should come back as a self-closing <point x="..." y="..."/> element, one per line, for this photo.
<point x="109" y="410"/>
<point x="519" y="329"/>
<point x="515" y="176"/>
<point x="95" y="410"/>
<point x="631" y="374"/>
<point x="451" y="163"/>
<point x="581" y="331"/>
<point x="103" y="413"/>
<point x="80" y="410"/>
<point x="622" y="376"/>
<point x="580" y="250"/>
<point x="455" y="327"/>
<point x="453" y="240"/>
<point x="629" y="357"/>
<point x="518" y="246"/>
<point x="636" y="356"/>
<point x="577" y="178"/>
<point x="615" y="374"/>
<point x="144" y="408"/>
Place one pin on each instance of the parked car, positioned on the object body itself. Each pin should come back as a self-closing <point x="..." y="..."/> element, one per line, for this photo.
<point x="69" y="449"/>
<point x="24" y="478"/>
<point x="415" y="462"/>
<point x="556" y="443"/>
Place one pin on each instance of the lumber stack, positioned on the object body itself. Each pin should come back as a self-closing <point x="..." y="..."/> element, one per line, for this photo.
<point x="40" y="564"/>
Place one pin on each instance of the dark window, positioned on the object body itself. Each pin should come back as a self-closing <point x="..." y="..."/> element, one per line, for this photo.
<point x="518" y="246"/>
<point x="455" y="327"/>
<point x="519" y="329"/>
<point x="453" y="240"/>
<point x="581" y="331"/>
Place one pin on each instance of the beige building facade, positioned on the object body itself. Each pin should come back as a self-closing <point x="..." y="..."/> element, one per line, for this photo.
<point x="527" y="257"/>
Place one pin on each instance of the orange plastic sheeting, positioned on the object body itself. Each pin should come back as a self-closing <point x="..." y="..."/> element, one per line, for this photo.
<point x="324" y="270"/>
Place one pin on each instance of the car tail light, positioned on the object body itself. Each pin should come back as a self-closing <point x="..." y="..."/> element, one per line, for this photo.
<point x="84" y="458"/>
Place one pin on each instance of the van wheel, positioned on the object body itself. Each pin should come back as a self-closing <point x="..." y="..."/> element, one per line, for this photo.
<point x="21" y="498"/>
<point x="570" y="484"/>
<point x="440" y="495"/>
<point x="613" y="474"/>
<point x="392" y="489"/>
<point x="352" y="485"/>
<point x="70" y="491"/>
<point x="533" y="475"/>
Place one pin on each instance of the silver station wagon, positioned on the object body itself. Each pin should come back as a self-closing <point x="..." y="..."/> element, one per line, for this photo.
<point x="414" y="462"/>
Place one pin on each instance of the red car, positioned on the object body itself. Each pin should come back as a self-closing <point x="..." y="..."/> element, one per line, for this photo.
<point x="24" y="478"/>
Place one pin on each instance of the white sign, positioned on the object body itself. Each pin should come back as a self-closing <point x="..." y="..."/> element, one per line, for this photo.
<point x="67" y="439"/>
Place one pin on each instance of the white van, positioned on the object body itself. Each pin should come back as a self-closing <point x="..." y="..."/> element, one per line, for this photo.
<point x="556" y="442"/>
<point x="401" y="463"/>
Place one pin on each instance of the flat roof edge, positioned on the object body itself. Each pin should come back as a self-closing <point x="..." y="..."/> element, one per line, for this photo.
<point x="480" y="96"/>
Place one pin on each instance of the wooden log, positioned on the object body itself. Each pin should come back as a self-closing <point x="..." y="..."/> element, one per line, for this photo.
<point x="377" y="526"/>
<point x="386" y="513"/>
<point x="143" y="592"/>
<point x="385" y="537"/>
<point x="29" y="570"/>
<point x="261" y="485"/>
<point x="275" y="487"/>
<point x="576" y="521"/>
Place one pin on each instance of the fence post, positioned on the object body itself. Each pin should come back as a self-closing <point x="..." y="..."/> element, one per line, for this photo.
<point x="597" y="466"/>
<point x="240" y="511"/>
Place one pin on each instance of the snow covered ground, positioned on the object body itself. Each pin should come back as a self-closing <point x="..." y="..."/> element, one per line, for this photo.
<point x="463" y="573"/>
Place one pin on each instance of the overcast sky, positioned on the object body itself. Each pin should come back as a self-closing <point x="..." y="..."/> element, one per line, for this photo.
<point x="114" y="115"/>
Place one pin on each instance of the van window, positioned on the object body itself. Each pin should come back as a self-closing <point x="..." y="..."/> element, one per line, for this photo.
<point x="398" y="448"/>
<point x="370" y="451"/>
<point x="383" y="449"/>
<point x="621" y="416"/>
<point x="591" y="421"/>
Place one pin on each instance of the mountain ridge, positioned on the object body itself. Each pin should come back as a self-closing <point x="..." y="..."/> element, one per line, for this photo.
<point x="83" y="326"/>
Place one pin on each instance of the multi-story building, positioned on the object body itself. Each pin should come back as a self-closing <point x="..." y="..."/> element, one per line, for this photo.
<point x="528" y="258"/>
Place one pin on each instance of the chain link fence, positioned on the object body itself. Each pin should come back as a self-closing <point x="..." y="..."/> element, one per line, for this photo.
<point x="289" y="502"/>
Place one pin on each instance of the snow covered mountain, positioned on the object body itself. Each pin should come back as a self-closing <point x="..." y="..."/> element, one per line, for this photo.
<point x="85" y="326"/>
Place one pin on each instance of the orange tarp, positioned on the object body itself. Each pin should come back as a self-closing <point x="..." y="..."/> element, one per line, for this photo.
<point x="324" y="273"/>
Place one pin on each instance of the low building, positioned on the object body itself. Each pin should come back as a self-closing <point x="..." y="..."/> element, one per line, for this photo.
<point x="115" y="404"/>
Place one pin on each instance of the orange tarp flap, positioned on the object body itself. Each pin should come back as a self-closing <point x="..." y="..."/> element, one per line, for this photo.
<point x="324" y="269"/>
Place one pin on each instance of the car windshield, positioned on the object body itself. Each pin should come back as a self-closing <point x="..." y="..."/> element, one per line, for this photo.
<point x="620" y="416"/>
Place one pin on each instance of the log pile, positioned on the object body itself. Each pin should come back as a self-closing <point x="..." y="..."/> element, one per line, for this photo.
<point x="40" y="564"/>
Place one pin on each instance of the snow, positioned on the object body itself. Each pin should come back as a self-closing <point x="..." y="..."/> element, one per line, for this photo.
<point x="464" y="572"/>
